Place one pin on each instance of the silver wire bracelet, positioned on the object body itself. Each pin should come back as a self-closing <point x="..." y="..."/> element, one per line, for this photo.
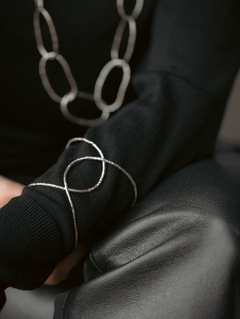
<point x="68" y="190"/>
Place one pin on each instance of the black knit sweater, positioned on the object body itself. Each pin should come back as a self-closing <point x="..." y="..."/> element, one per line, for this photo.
<point x="186" y="58"/>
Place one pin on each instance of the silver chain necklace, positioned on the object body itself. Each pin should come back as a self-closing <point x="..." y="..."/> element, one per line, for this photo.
<point x="127" y="20"/>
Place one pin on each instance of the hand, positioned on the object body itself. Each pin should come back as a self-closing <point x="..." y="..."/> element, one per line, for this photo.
<point x="63" y="268"/>
<point x="8" y="190"/>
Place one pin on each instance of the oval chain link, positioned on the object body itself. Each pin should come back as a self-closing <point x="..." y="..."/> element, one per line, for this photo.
<point x="78" y="120"/>
<point x="122" y="88"/>
<point x="66" y="70"/>
<point x="119" y="36"/>
<point x="38" y="33"/>
<point x="135" y="13"/>
<point x="127" y="20"/>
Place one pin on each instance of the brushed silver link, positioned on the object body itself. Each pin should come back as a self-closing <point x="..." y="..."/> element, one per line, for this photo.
<point x="45" y="81"/>
<point x="39" y="3"/>
<point x="135" y="13"/>
<point x="38" y="34"/>
<point x="78" y="120"/>
<point x="122" y="88"/>
<point x="119" y="36"/>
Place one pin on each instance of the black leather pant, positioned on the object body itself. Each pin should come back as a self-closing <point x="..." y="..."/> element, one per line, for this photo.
<point x="173" y="256"/>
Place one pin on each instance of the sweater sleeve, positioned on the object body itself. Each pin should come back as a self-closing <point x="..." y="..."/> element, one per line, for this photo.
<point x="182" y="86"/>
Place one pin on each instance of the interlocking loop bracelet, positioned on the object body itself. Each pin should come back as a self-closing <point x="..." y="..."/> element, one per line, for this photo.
<point x="69" y="190"/>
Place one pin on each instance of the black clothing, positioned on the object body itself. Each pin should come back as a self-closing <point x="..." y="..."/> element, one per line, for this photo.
<point x="184" y="64"/>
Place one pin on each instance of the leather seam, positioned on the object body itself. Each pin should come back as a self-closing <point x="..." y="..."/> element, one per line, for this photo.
<point x="64" y="302"/>
<point x="94" y="263"/>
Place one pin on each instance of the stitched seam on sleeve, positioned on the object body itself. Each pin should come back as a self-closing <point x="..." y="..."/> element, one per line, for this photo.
<point x="175" y="74"/>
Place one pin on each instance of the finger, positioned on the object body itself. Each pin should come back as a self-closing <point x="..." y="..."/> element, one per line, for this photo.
<point x="64" y="267"/>
<point x="8" y="190"/>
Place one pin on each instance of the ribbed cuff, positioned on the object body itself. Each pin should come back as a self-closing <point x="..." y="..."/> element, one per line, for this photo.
<point x="30" y="242"/>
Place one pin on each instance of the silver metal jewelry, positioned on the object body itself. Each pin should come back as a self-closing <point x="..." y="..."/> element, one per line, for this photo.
<point x="127" y="20"/>
<point x="69" y="190"/>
